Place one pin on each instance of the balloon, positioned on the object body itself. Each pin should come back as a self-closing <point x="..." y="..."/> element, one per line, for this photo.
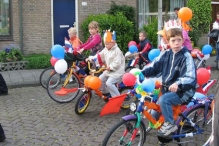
<point x="135" y="71"/>
<point x="199" y="95"/>
<point x="86" y="80"/>
<point x="139" y="89"/>
<point x="185" y="14"/>
<point x="148" y="85"/>
<point x="58" y="51"/>
<point x="53" y="60"/>
<point x="206" y="49"/>
<point x="137" y="95"/>
<point x="203" y="76"/>
<point x="61" y="66"/>
<point x="153" y="54"/>
<point x="143" y="93"/>
<point x="133" y="49"/>
<point x="206" y="57"/>
<point x="94" y="83"/>
<point x="132" y="43"/>
<point x="129" y="79"/>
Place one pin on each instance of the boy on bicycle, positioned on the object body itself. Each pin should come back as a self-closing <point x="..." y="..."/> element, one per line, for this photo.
<point x="178" y="73"/>
<point x="114" y="60"/>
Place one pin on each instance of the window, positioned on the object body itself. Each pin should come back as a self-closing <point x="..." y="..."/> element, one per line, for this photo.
<point x="148" y="9"/>
<point x="5" y="19"/>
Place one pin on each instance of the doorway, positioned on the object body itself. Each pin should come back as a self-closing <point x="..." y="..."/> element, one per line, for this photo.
<point x="63" y="19"/>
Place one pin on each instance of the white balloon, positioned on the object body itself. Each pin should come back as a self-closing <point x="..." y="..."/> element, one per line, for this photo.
<point x="127" y="54"/>
<point x="61" y="66"/>
<point x="206" y="57"/>
<point x="134" y="70"/>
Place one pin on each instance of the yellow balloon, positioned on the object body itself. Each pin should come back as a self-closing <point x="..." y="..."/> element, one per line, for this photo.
<point x="143" y="93"/>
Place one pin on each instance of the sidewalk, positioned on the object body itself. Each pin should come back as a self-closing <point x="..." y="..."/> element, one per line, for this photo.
<point x="20" y="78"/>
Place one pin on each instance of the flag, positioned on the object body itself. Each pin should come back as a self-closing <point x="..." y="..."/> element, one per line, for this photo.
<point x="68" y="46"/>
<point x="113" y="105"/>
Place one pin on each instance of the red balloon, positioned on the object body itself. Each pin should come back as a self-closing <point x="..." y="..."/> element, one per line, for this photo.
<point x="129" y="79"/>
<point x="53" y="60"/>
<point x="203" y="75"/>
<point x="132" y="43"/>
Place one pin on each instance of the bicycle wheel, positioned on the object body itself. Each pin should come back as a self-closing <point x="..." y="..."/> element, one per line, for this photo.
<point x="128" y="100"/>
<point x="44" y="76"/>
<point x="82" y="102"/>
<point x="115" y="136"/>
<point x="62" y="94"/>
<point x="196" y="114"/>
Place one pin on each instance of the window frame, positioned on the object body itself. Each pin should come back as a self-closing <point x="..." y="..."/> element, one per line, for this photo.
<point x="10" y="36"/>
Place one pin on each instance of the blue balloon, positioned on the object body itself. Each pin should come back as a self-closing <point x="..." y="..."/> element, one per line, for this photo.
<point x="148" y="85"/>
<point x="133" y="49"/>
<point x="58" y="52"/>
<point x="206" y="49"/>
<point x="153" y="54"/>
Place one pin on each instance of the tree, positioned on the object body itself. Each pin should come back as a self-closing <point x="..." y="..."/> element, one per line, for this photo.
<point x="201" y="19"/>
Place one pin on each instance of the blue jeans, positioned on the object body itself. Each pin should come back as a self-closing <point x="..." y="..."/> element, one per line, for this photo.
<point x="166" y="101"/>
<point x="217" y="50"/>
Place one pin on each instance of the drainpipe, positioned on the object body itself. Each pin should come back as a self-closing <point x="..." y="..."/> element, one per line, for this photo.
<point x="21" y="26"/>
<point x="160" y="15"/>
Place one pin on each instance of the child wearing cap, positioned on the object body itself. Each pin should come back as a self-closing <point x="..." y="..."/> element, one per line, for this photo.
<point x="114" y="60"/>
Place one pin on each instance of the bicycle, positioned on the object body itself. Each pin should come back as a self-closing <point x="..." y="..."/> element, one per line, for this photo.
<point x="64" y="88"/>
<point x="45" y="74"/>
<point x="84" y="99"/>
<point x="134" y="60"/>
<point x="133" y="128"/>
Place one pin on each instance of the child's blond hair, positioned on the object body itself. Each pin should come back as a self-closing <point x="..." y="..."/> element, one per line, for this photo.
<point x="94" y="24"/>
<point x="72" y="30"/>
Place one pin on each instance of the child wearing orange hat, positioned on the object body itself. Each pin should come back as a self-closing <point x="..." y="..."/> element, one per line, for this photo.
<point x="114" y="60"/>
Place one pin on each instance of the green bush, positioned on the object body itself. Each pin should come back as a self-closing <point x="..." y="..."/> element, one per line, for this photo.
<point x="201" y="18"/>
<point x="124" y="28"/>
<point x="38" y="61"/>
<point x="151" y="30"/>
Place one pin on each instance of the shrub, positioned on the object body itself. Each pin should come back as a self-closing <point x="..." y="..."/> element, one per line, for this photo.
<point x="11" y="53"/>
<point x="201" y="18"/>
<point x="124" y="28"/>
<point x="38" y="61"/>
<point x="151" y="30"/>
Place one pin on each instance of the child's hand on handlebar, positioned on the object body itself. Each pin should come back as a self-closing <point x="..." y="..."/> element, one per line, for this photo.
<point x="108" y="68"/>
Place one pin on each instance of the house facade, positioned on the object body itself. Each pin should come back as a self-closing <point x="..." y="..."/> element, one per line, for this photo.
<point x="37" y="25"/>
<point x="34" y="25"/>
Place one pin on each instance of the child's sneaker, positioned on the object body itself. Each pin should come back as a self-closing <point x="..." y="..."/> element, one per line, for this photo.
<point x="166" y="129"/>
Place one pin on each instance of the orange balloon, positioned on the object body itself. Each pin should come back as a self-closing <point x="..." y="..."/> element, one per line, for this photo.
<point x="94" y="83"/>
<point x="86" y="80"/>
<point x="185" y="14"/>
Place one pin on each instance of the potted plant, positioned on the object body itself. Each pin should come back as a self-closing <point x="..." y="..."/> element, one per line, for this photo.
<point x="11" y="53"/>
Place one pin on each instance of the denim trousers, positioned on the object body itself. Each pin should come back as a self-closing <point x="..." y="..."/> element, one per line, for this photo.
<point x="217" y="50"/>
<point x="109" y="84"/>
<point x="166" y="101"/>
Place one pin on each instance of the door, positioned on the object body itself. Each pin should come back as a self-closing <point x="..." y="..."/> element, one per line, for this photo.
<point x="215" y="9"/>
<point x="63" y="19"/>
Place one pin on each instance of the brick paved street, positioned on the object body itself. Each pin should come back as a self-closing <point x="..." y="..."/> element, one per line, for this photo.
<point x="29" y="117"/>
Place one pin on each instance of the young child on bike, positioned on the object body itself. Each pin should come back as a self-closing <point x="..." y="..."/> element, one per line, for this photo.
<point x="144" y="47"/>
<point x="178" y="72"/>
<point x="112" y="57"/>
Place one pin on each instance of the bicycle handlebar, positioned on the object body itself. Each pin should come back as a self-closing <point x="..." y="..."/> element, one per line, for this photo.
<point x="95" y="71"/>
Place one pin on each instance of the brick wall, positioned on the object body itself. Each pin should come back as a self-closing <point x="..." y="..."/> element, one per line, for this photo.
<point x="37" y="21"/>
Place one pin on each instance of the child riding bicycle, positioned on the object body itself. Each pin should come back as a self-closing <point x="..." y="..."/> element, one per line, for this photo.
<point x="178" y="72"/>
<point x="114" y="60"/>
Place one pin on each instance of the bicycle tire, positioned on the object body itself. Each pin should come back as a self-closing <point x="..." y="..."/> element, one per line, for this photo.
<point x="185" y="127"/>
<point x="55" y="83"/>
<point x="44" y="76"/>
<point x="82" y="102"/>
<point x="125" y="125"/>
